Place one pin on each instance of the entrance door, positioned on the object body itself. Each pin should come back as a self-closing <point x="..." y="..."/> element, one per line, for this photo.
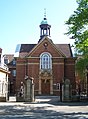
<point x="45" y="86"/>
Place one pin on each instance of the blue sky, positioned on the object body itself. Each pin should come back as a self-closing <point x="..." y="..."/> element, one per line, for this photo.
<point x="20" y="20"/>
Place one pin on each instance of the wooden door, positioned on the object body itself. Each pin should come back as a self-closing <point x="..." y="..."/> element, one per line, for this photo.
<point x="45" y="86"/>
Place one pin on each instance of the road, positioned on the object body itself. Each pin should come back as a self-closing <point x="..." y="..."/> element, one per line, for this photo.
<point x="44" y="108"/>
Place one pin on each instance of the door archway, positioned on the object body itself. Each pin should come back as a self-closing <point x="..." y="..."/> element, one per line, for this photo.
<point x="45" y="82"/>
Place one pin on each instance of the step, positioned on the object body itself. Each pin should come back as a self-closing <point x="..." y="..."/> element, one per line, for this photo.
<point x="12" y="98"/>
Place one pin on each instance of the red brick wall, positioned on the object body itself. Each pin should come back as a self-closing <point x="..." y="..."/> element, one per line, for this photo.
<point x="50" y="48"/>
<point x="33" y="71"/>
<point x="70" y="69"/>
<point x="58" y="69"/>
<point x="21" y="70"/>
<point x="61" y="67"/>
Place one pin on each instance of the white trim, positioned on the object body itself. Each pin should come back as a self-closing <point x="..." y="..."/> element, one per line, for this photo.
<point x="48" y="58"/>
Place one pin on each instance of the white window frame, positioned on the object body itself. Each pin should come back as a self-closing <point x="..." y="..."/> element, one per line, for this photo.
<point x="45" y="61"/>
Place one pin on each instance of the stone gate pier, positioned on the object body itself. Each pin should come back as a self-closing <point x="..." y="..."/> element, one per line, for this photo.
<point x="26" y="93"/>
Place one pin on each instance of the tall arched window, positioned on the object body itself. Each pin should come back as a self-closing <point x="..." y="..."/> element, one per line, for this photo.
<point x="45" y="61"/>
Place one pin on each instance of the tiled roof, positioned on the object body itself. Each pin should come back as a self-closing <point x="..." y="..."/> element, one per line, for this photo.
<point x="26" y="47"/>
<point x="64" y="48"/>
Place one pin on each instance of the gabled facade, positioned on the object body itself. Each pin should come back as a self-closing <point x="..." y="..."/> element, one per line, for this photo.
<point x="48" y="64"/>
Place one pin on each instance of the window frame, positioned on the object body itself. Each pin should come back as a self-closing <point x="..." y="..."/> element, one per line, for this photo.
<point x="45" y="61"/>
<point x="14" y="72"/>
<point x="14" y="62"/>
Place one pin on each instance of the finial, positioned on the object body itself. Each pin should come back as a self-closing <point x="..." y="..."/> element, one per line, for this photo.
<point x="45" y="13"/>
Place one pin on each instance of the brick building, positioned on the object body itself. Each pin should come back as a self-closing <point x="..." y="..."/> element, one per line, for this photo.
<point x="47" y="63"/>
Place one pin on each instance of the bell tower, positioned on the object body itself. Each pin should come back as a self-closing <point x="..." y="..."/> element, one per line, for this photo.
<point x="44" y="27"/>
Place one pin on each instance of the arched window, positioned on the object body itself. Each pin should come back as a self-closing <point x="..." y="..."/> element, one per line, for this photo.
<point x="45" y="61"/>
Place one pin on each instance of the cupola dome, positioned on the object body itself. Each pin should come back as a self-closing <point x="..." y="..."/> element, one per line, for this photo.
<point x="44" y="21"/>
<point x="44" y="28"/>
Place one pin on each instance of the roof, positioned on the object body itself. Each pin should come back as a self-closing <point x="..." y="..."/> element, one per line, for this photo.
<point x="26" y="47"/>
<point x="10" y="57"/>
<point x="44" y="21"/>
<point x="64" y="48"/>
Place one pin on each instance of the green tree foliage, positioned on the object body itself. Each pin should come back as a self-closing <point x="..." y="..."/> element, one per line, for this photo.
<point x="81" y="66"/>
<point x="78" y="26"/>
<point x="78" y="30"/>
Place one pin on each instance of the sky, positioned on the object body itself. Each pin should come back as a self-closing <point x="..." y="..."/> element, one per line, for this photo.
<point x="20" y="20"/>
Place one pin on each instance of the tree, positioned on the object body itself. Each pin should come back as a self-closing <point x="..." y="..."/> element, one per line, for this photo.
<point x="81" y="65"/>
<point x="78" y="30"/>
<point x="78" y="27"/>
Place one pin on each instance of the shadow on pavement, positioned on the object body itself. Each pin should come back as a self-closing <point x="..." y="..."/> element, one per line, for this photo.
<point x="44" y="108"/>
<point x="30" y="112"/>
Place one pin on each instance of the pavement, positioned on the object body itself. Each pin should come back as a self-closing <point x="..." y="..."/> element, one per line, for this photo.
<point x="44" y="108"/>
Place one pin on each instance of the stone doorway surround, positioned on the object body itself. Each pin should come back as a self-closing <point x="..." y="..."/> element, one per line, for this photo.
<point x="46" y="77"/>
